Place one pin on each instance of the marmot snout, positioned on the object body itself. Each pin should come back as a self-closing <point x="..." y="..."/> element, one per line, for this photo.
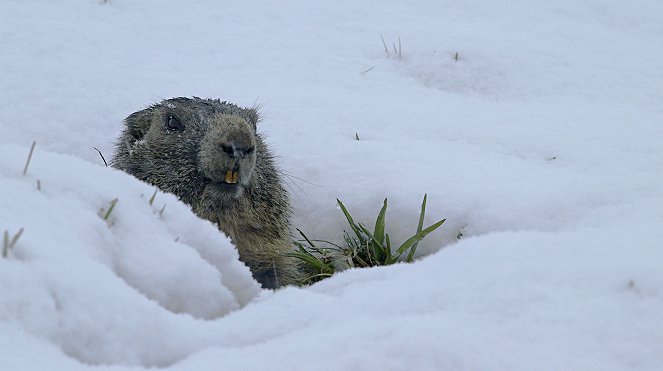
<point x="227" y="154"/>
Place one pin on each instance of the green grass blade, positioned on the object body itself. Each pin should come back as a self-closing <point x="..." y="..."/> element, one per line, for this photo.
<point x="387" y="247"/>
<point x="377" y="247"/>
<point x="416" y="238"/>
<point x="110" y="209"/>
<point x="333" y="245"/>
<point x="311" y="260"/>
<point x="410" y="255"/>
<point x="378" y="231"/>
<point x="350" y="220"/>
<point x="306" y="238"/>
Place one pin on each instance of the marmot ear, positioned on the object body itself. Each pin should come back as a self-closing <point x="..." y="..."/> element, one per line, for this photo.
<point x="138" y="123"/>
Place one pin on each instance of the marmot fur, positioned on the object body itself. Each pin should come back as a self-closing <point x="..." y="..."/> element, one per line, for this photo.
<point x="208" y="153"/>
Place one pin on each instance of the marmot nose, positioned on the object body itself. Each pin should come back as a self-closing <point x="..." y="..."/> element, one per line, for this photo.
<point x="234" y="150"/>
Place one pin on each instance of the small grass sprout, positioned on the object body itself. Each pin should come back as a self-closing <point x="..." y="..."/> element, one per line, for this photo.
<point x="27" y="162"/>
<point x="398" y="52"/>
<point x="7" y="243"/>
<point x="105" y="213"/>
<point x="154" y="195"/>
<point x="367" y="70"/>
<point x="363" y="247"/>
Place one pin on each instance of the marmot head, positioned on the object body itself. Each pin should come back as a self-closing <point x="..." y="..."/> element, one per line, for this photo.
<point x="190" y="147"/>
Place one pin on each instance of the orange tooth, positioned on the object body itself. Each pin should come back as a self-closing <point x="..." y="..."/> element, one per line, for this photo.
<point x="235" y="176"/>
<point x="229" y="176"/>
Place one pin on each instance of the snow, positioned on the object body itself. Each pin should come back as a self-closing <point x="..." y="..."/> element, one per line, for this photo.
<point x="541" y="144"/>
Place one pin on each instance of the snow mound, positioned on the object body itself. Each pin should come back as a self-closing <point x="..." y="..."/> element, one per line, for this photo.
<point x="458" y="73"/>
<point x="102" y="289"/>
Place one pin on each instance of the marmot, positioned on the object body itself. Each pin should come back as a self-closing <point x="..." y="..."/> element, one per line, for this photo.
<point x="208" y="153"/>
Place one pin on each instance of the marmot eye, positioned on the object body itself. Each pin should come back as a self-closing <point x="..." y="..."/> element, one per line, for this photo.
<point x="173" y="124"/>
<point x="227" y="149"/>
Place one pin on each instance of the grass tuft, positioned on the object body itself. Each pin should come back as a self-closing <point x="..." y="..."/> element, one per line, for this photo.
<point x="398" y="50"/>
<point x="363" y="247"/>
<point x="7" y="243"/>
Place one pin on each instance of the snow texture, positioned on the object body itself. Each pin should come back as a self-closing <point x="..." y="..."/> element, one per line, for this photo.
<point x="533" y="126"/>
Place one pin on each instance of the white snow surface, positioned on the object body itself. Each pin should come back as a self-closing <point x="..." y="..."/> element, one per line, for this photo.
<point x="540" y="143"/>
